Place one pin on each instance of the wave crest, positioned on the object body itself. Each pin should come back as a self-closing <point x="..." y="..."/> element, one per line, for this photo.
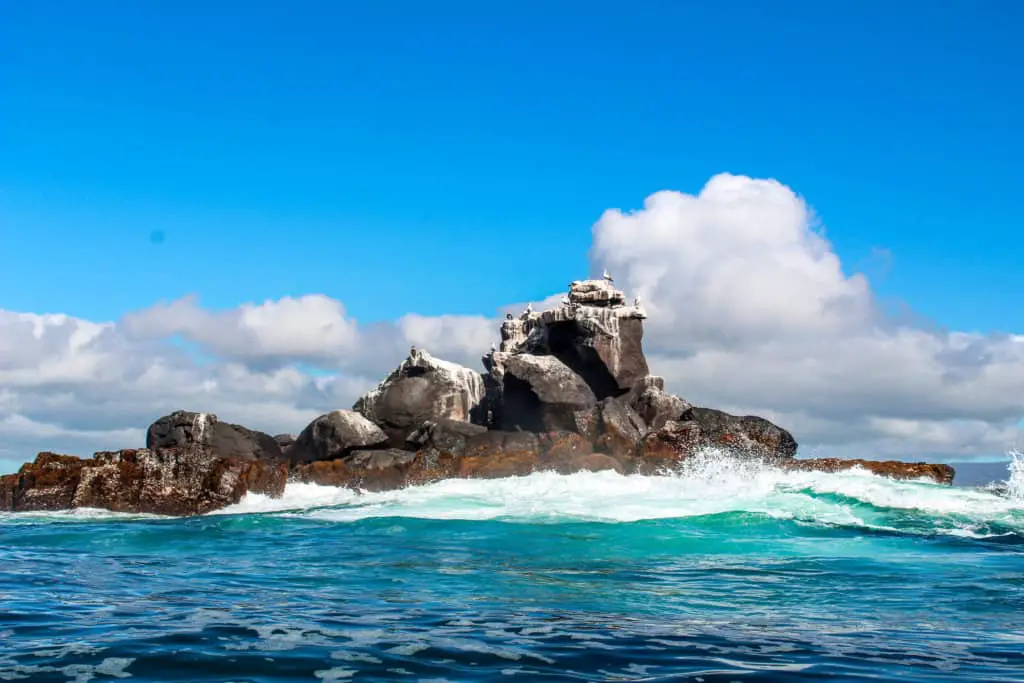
<point x="711" y="484"/>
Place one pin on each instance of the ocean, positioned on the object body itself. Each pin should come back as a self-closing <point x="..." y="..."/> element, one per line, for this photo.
<point x="728" y="572"/>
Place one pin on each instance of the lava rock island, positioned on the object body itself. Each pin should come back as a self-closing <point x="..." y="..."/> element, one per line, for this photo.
<point x="569" y="389"/>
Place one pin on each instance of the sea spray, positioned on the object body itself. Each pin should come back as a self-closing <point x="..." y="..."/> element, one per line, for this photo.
<point x="1015" y="483"/>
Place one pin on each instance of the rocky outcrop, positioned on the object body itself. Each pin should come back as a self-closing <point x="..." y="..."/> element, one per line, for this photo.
<point x="569" y="390"/>
<point x="48" y="483"/>
<point x="423" y="388"/>
<point x="335" y="435"/>
<point x="165" y="481"/>
<point x="940" y="474"/>
<point x="182" y="429"/>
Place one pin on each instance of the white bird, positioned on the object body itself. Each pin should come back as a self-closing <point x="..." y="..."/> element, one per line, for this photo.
<point x="636" y="300"/>
<point x="529" y="309"/>
<point x="606" y="276"/>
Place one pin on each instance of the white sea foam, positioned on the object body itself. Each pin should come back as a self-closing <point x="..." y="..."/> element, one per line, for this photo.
<point x="1015" y="483"/>
<point x="712" y="485"/>
<point x="73" y="515"/>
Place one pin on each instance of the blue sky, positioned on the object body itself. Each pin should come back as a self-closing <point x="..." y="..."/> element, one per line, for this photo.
<point x="450" y="157"/>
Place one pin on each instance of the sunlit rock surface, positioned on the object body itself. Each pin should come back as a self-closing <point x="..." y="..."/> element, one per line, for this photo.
<point x="422" y="388"/>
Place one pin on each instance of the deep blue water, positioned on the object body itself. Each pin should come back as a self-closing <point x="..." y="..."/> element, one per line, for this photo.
<point x="727" y="573"/>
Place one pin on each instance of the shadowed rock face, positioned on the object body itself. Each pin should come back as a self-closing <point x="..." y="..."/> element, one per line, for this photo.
<point x="540" y="393"/>
<point x="182" y="429"/>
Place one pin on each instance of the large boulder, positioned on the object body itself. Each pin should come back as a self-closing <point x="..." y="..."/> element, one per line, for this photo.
<point x="423" y="388"/>
<point x="746" y="434"/>
<point x="335" y="435"/>
<point x="704" y="428"/>
<point x="182" y="429"/>
<point x="541" y="393"/>
<point x="168" y="481"/>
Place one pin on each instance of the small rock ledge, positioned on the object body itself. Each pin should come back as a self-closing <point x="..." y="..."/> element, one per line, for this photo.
<point x="568" y="390"/>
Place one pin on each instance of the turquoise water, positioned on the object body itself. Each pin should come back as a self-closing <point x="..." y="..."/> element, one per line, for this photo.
<point x="728" y="572"/>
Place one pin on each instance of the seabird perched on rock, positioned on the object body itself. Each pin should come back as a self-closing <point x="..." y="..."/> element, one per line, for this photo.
<point x="493" y="348"/>
<point x="529" y="309"/>
<point x="636" y="300"/>
<point x="607" y="277"/>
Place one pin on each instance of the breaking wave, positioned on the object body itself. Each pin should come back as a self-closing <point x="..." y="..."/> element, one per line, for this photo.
<point x="712" y="485"/>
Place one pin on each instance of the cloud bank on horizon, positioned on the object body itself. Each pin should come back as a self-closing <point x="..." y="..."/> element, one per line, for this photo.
<point x="750" y="311"/>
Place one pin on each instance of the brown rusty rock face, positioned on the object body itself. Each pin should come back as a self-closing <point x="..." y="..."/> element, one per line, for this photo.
<point x="669" y="446"/>
<point x="48" y="483"/>
<point x="430" y="466"/>
<point x="381" y="470"/>
<point x="559" y="446"/>
<point x="325" y="473"/>
<point x="166" y="481"/>
<point x="501" y="454"/>
<point x="595" y="462"/>
<point x="940" y="474"/>
<point x="374" y="470"/>
<point x="266" y="478"/>
<point x="512" y="464"/>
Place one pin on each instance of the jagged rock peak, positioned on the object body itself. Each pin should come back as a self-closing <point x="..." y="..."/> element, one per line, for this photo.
<point x="593" y="304"/>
